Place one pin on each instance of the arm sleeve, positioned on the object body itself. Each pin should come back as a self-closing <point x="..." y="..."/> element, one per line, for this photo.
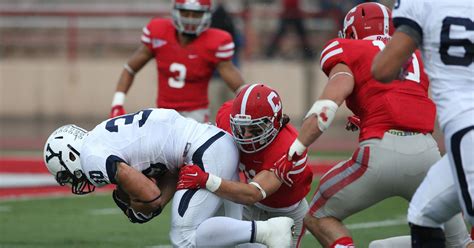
<point x="407" y="18"/>
<point x="100" y="170"/>
<point x="146" y="36"/>
<point x="225" y="47"/>
<point x="332" y="54"/>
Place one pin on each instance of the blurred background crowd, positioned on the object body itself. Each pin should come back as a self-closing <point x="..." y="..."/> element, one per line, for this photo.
<point x="60" y="59"/>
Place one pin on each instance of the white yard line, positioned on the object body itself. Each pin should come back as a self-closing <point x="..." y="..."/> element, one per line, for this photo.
<point x="12" y="180"/>
<point x="376" y="224"/>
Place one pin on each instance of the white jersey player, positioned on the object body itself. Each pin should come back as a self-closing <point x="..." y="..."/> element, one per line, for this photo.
<point x="444" y="30"/>
<point x="142" y="153"/>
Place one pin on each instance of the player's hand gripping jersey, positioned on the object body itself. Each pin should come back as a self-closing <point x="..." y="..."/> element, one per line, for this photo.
<point x="382" y="106"/>
<point x="184" y="71"/>
<point x="252" y="163"/>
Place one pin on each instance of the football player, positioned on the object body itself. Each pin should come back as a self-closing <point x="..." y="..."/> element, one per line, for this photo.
<point x="396" y="148"/>
<point x="444" y="30"/>
<point x="186" y="52"/>
<point x="263" y="135"/>
<point x="142" y="153"/>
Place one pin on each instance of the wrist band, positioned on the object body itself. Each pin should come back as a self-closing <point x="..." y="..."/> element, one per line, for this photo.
<point x="298" y="146"/>
<point x="213" y="183"/>
<point x="264" y="194"/>
<point x="119" y="98"/>
<point x="129" y="69"/>
<point x="341" y="73"/>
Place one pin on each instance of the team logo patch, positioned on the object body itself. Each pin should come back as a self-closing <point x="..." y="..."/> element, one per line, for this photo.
<point x="158" y="43"/>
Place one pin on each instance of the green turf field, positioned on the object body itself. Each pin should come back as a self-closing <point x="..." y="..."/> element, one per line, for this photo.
<point x="94" y="221"/>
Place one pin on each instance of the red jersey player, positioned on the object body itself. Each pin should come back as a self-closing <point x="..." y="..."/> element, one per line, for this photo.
<point x="396" y="148"/>
<point x="263" y="135"/>
<point x="186" y="53"/>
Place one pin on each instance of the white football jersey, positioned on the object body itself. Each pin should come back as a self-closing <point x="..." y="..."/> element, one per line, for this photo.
<point x="447" y="29"/>
<point x="149" y="138"/>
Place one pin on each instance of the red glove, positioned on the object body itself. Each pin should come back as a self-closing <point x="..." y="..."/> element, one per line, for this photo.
<point x="117" y="110"/>
<point x="353" y="123"/>
<point x="404" y="70"/>
<point x="192" y="177"/>
<point x="283" y="167"/>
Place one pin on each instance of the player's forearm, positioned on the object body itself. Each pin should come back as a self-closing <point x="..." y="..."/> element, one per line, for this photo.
<point x="231" y="75"/>
<point x="167" y="184"/>
<point x="125" y="82"/>
<point x="144" y="194"/>
<point x="239" y="192"/>
<point x="388" y="63"/>
<point x="309" y="131"/>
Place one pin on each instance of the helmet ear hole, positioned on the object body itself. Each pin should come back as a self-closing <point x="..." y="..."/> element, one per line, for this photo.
<point x="72" y="157"/>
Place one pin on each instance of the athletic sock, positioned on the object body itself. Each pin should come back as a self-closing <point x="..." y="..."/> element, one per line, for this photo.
<point x="427" y="237"/>
<point x="344" y="242"/>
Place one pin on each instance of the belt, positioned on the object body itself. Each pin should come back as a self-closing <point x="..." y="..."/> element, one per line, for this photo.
<point x="401" y="133"/>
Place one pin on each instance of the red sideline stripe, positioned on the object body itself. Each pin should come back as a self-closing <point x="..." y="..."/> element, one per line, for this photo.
<point x="35" y="165"/>
<point x="22" y="165"/>
<point x="43" y="191"/>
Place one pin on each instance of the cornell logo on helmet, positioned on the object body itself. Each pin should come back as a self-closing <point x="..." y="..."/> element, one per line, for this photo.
<point x="256" y="117"/>
<point x="371" y="21"/>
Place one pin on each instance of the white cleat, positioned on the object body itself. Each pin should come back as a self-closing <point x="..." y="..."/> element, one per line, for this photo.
<point x="275" y="232"/>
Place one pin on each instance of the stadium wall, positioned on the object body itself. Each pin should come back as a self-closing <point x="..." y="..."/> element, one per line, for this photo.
<point x="84" y="87"/>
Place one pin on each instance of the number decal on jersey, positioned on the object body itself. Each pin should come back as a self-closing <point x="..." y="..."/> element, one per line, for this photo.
<point x="113" y="124"/>
<point x="97" y="176"/>
<point x="177" y="81"/>
<point x="275" y="107"/>
<point x="396" y="5"/>
<point x="447" y="42"/>
<point x="412" y="76"/>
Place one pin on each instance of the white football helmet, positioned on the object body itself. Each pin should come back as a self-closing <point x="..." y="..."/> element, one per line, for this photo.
<point x="62" y="158"/>
<point x="192" y="25"/>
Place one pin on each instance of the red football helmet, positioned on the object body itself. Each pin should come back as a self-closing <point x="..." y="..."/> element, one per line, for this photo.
<point x="256" y="117"/>
<point x="190" y="24"/>
<point x="372" y="21"/>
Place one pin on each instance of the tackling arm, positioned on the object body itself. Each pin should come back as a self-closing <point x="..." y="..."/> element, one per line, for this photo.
<point x="231" y="75"/>
<point x="264" y="184"/>
<point x="388" y="64"/>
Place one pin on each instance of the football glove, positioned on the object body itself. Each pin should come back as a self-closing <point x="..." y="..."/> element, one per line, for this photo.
<point x="121" y="203"/>
<point x="140" y="218"/>
<point x="117" y="110"/>
<point x="404" y="70"/>
<point x="192" y="177"/>
<point x="283" y="168"/>
<point x="353" y="123"/>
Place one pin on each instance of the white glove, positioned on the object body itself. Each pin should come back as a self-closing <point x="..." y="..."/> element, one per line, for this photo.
<point x="296" y="148"/>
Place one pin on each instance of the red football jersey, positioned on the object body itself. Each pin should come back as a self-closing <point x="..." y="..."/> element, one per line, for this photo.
<point x="184" y="71"/>
<point x="252" y="163"/>
<point x="402" y="105"/>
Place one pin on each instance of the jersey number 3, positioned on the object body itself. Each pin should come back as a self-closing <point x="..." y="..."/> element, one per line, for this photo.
<point x="177" y="81"/>
<point x="113" y="124"/>
<point x="412" y="76"/>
